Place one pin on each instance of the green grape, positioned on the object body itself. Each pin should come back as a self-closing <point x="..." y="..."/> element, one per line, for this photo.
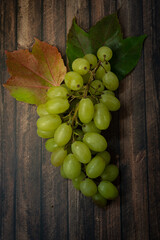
<point x="45" y="134"/>
<point x="92" y="59"/>
<point x="105" y="67"/>
<point x="112" y="103"/>
<point x="57" y="105"/>
<point x="95" y="167"/>
<point x="88" y="187"/>
<point x="109" y="92"/>
<point x="73" y="80"/>
<point x="90" y="127"/>
<point x="110" y="81"/>
<point x="48" y="122"/>
<point x="81" y="66"/>
<point x="85" y="110"/>
<point x="41" y="110"/>
<point x="71" y="166"/>
<point x="63" y="134"/>
<point x="58" y="156"/>
<point x="50" y="145"/>
<point x="57" y="91"/>
<point x="81" y="151"/>
<point x="99" y="200"/>
<point x="86" y="77"/>
<point x="108" y="190"/>
<point x="110" y="173"/>
<point x="101" y="116"/>
<point x="104" y="53"/>
<point x="95" y="141"/>
<point x="76" y="182"/>
<point x="62" y="172"/>
<point x="96" y="87"/>
<point x="106" y="156"/>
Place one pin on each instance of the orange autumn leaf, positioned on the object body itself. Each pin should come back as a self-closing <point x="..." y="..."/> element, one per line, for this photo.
<point x="32" y="73"/>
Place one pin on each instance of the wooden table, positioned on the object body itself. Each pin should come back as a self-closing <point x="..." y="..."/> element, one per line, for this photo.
<point x="36" y="203"/>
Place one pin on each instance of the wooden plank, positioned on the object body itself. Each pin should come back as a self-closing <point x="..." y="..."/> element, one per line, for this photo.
<point x="28" y="188"/>
<point x="7" y="126"/>
<point x="152" y="90"/>
<point x="134" y="195"/>
<point x="80" y="10"/>
<point x="54" y="187"/>
<point x="107" y="221"/>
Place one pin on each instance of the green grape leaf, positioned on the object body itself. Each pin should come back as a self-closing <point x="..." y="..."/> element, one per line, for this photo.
<point x="78" y="43"/>
<point x="126" y="57"/>
<point x="106" y="32"/>
<point x="32" y="73"/>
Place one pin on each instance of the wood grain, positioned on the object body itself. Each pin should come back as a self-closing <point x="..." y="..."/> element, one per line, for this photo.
<point x="152" y="90"/>
<point x="133" y="140"/>
<point x="8" y="128"/>
<point x="28" y="146"/>
<point x="36" y="203"/>
<point x="54" y="188"/>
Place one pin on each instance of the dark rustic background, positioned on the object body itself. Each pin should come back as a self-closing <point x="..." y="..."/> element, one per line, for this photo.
<point x="36" y="203"/>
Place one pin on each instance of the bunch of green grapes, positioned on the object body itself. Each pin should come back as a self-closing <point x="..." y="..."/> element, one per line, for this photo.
<point x="72" y="119"/>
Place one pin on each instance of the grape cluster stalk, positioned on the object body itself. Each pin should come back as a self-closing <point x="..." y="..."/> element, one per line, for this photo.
<point x="72" y="119"/>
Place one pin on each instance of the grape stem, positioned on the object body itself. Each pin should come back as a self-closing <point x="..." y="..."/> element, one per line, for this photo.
<point x="67" y="116"/>
<point x="103" y="66"/>
<point x="74" y="97"/>
<point x="75" y="115"/>
<point x="91" y="79"/>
